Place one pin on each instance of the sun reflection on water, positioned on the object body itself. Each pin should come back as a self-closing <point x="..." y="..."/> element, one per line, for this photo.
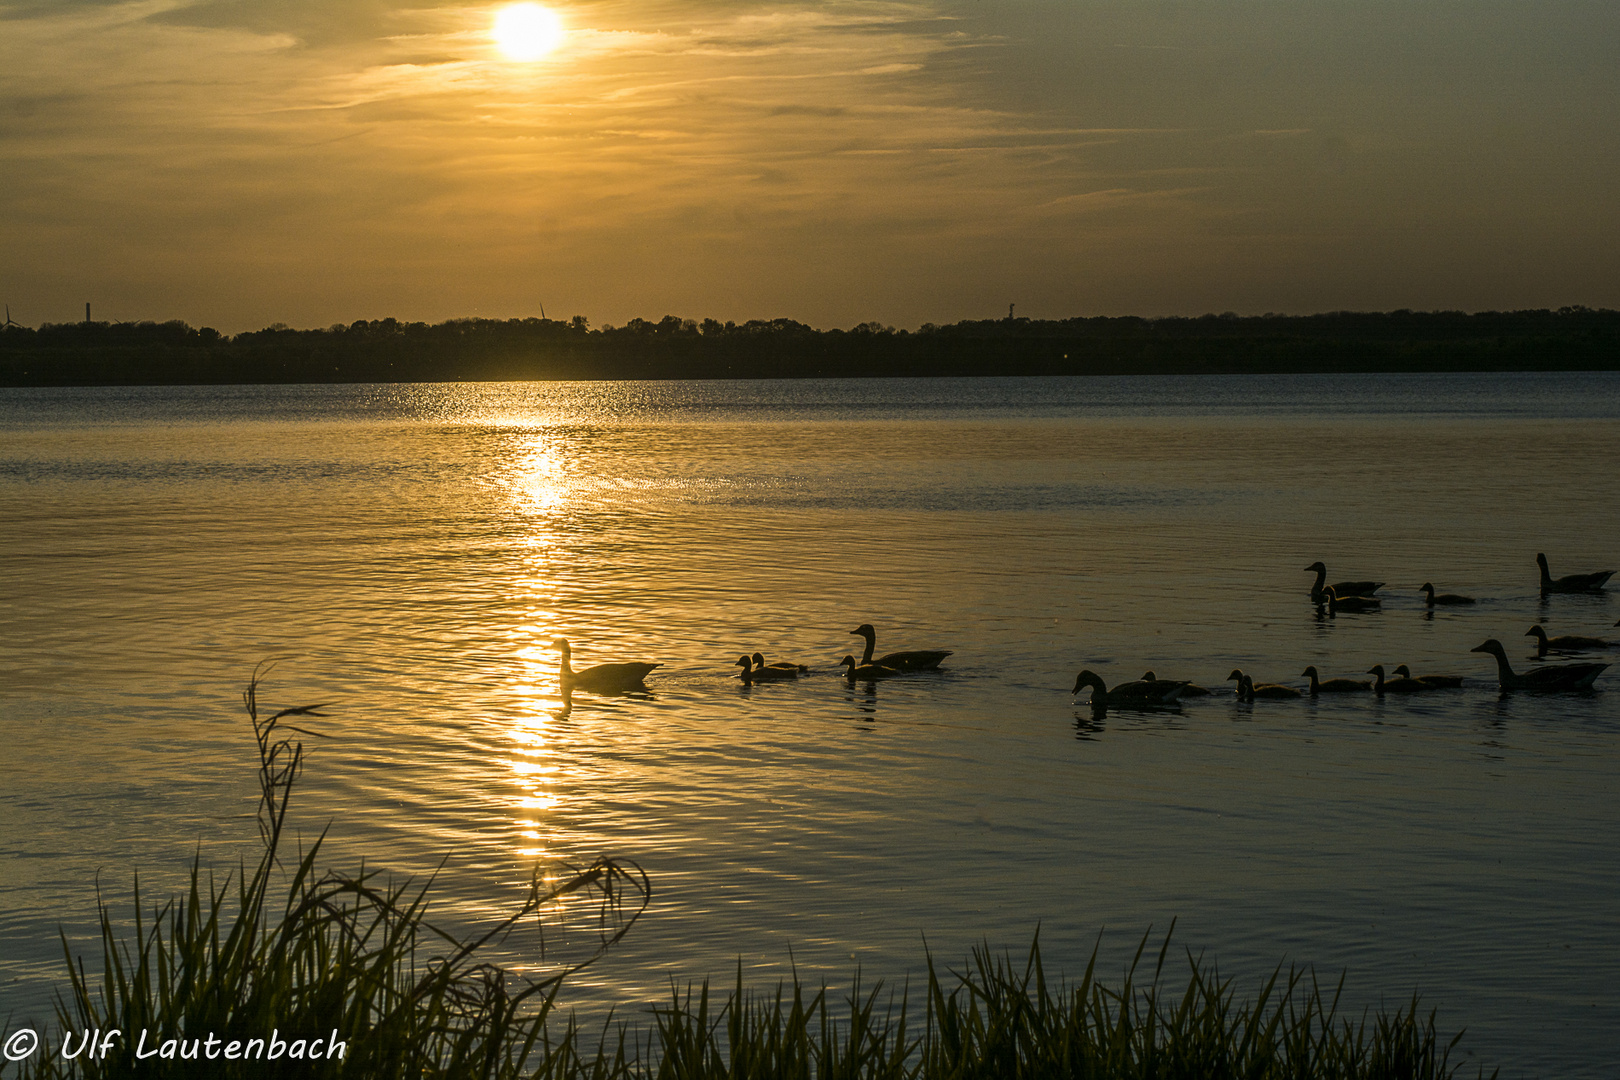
<point x="534" y="479"/>
<point x="537" y="480"/>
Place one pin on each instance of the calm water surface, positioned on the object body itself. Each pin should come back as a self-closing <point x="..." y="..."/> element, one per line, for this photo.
<point x="410" y="550"/>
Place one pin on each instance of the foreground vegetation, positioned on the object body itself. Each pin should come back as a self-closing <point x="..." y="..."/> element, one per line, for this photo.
<point x="360" y="960"/>
<point x="387" y="350"/>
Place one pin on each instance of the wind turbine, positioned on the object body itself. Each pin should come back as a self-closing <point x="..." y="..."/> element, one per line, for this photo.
<point x="9" y="322"/>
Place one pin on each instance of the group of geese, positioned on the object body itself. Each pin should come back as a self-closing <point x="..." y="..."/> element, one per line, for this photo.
<point x="1150" y="692"/>
<point x="627" y="677"/>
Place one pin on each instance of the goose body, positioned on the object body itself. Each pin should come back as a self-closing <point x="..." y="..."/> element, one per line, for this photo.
<point x="1343" y="588"/>
<point x="1443" y="598"/>
<point x="1397" y="685"/>
<point x="1334" y="686"/>
<point x="601" y="678"/>
<point x="1248" y="691"/>
<point x="782" y="665"/>
<point x="1434" y="682"/>
<point x="1570" y="582"/>
<point x="915" y="660"/>
<point x="1565" y="642"/>
<point x="1337" y="603"/>
<point x="751" y="673"/>
<point x="1542" y="680"/>
<point x="1141" y="694"/>
<point x="866" y="671"/>
<point x="1188" y="690"/>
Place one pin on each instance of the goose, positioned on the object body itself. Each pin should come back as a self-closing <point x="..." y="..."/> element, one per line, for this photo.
<point x="1542" y="680"/>
<point x="1343" y="588"/>
<point x="602" y="678"/>
<point x="916" y="660"/>
<point x="866" y="671"/>
<point x="1397" y="685"/>
<point x="1438" y="682"/>
<point x="1248" y="691"/>
<point x="1334" y="686"/>
<point x="1565" y="642"/>
<point x="1141" y="694"/>
<point x="1337" y="603"/>
<point x="759" y="662"/>
<point x="1443" y="598"/>
<point x="1570" y="582"/>
<point x="1186" y="691"/>
<point x="752" y="673"/>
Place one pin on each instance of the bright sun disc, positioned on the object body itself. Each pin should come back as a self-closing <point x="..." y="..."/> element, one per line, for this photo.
<point x="527" y="31"/>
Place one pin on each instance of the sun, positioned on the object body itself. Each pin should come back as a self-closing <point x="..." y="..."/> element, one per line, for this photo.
<point x="527" y="31"/>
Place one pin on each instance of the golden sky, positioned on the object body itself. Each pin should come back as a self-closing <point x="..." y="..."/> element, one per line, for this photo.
<point x="241" y="162"/>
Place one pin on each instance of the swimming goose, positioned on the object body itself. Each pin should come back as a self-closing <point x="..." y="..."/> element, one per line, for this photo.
<point x="1565" y="642"/>
<point x="602" y="678"/>
<point x="1337" y="603"/>
<point x="1186" y="691"/>
<point x="1333" y="686"/>
<point x="1343" y="588"/>
<point x="752" y="673"/>
<point x="759" y="662"/>
<point x="1141" y="694"/>
<point x="866" y="671"/>
<point x="1541" y="680"/>
<point x="1443" y="598"/>
<point x="916" y="660"/>
<point x="1570" y="582"/>
<point x="1438" y="682"/>
<point x="1248" y="691"/>
<point x="1397" y="685"/>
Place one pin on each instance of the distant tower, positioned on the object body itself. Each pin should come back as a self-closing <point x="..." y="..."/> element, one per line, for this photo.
<point x="1009" y="312"/>
<point x="87" y="311"/>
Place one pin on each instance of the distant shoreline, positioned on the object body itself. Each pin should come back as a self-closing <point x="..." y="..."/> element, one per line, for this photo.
<point x="489" y="350"/>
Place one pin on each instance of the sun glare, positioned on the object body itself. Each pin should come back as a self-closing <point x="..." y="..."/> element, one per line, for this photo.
<point x="527" y="31"/>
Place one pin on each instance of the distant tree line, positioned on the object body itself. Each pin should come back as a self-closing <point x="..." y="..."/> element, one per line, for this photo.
<point x="387" y="350"/>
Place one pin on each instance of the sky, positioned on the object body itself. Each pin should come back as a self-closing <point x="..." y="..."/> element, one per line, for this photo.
<point x="238" y="163"/>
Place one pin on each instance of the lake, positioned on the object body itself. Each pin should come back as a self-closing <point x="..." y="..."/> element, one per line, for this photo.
<point x="410" y="551"/>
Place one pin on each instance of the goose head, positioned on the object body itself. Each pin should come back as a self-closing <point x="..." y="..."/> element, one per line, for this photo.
<point x="1541" y="559"/>
<point x="1493" y="647"/>
<point x="1238" y="675"/>
<point x="1538" y="633"/>
<point x="759" y="659"/>
<point x="1091" y="679"/>
<point x="1317" y="568"/>
<point x="849" y="662"/>
<point x="1310" y="672"/>
<point x="1426" y="587"/>
<point x="865" y="630"/>
<point x="1403" y="672"/>
<point x="744" y="662"/>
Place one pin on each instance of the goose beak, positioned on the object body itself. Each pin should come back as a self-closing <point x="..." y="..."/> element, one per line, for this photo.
<point x="1479" y="648"/>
